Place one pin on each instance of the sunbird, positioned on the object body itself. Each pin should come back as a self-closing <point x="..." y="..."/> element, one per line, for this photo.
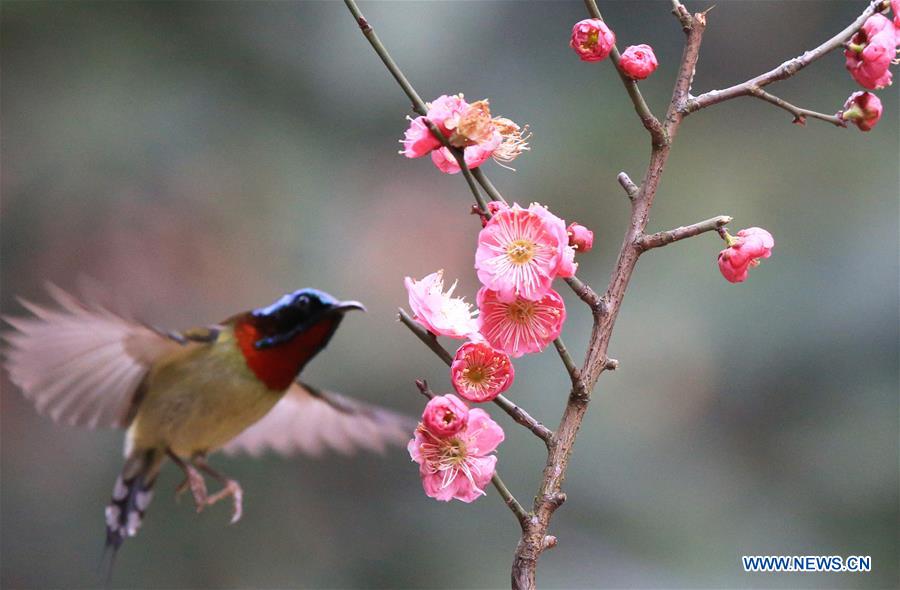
<point x="182" y="395"/>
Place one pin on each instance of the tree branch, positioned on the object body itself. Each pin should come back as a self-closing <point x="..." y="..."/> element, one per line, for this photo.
<point x="663" y="238"/>
<point x="785" y="70"/>
<point x="519" y="415"/>
<point x="532" y="543"/>
<point x="800" y="115"/>
<point x="651" y="123"/>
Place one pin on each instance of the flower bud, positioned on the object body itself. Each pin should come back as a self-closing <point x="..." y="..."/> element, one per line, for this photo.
<point x="863" y="109"/>
<point x="638" y="61"/>
<point x="580" y="238"/>
<point x="744" y="251"/>
<point x="445" y="415"/>
<point x="592" y="40"/>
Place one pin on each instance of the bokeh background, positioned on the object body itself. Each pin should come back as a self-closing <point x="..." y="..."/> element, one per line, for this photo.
<point x="198" y="158"/>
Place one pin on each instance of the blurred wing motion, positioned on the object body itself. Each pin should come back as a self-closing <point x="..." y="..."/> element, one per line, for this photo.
<point x="79" y="364"/>
<point x="309" y="421"/>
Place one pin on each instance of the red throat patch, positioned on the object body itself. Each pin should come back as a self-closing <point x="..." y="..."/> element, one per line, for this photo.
<point x="278" y="366"/>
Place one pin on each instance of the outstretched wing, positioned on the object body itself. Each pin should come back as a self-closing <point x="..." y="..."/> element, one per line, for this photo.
<point x="80" y="364"/>
<point x="309" y="421"/>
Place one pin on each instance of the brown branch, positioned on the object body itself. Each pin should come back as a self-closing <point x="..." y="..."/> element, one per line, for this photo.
<point x="663" y="238"/>
<point x="785" y="70"/>
<point x="519" y="415"/>
<point x="651" y="123"/>
<point x="800" y="115"/>
<point x="533" y="543"/>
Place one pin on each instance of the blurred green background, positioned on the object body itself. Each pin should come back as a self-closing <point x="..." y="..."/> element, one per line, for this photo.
<point x="198" y="158"/>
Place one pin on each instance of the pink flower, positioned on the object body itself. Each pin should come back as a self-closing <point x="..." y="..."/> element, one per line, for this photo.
<point x="638" y="61"/>
<point x="468" y="127"/>
<point x="592" y="40"/>
<point x="521" y="326"/>
<point x="871" y="51"/>
<point x="480" y="373"/>
<point x="418" y="139"/>
<point x="863" y="109"/>
<point x="520" y="252"/>
<point x="474" y="155"/>
<point x="459" y="467"/>
<point x="445" y="112"/>
<point x="580" y="238"/>
<point x="445" y="415"/>
<point x="744" y="251"/>
<point x="440" y="312"/>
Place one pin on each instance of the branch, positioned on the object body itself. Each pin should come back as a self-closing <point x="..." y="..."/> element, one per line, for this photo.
<point x="800" y="115"/>
<point x="578" y="387"/>
<point x="586" y="294"/>
<point x="631" y="189"/>
<point x="519" y="415"/>
<point x="508" y="498"/>
<point x="651" y="123"/>
<point x="663" y="238"/>
<point x="785" y="70"/>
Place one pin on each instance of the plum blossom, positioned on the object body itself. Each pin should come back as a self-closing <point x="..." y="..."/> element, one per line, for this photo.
<point x="440" y="312"/>
<point x="468" y="127"/>
<point x="580" y="237"/>
<point x="418" y="139"/>
<point x="743" y="251"/>
<point x="638" y="61"/>
<point x="445" y="415"/>
<point x="521" y="326"/>
<point x="479" y="373"/>
<point x="461" y="466"/>
<point x="520" y="252"/>
<point x="871" y="51"/>
<point x="863" y="109"/>
<point x="592" y="40"/>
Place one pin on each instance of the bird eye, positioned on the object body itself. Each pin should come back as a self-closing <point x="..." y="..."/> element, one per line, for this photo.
<point x="302" y="303"/>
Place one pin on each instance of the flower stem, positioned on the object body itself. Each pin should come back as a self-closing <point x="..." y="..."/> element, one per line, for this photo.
<point x="510" y="500"/>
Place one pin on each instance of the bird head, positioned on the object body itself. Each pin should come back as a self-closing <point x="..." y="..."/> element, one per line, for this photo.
<point x="297" y="313"/>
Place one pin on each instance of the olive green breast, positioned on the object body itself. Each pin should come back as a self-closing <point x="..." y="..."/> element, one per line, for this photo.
<point x="199" y="398"/>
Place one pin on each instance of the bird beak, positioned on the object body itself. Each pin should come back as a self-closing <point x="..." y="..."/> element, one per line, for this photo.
<point x="348" y="305"/>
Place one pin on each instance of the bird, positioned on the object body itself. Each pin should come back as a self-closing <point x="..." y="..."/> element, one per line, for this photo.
<point x="180" y="395"/>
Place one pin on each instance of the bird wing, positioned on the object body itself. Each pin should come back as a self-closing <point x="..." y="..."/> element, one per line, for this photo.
<point x="309" y="421"/>
<point x="81" y="364"/>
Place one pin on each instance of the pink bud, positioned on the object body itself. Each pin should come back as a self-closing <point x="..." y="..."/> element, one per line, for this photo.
<point x="445" y="415"/>
<point x="744" y="251"/>
<point x="580" y="238"/>
<point x="638" y="61"/>
<point x="863" y="109"/>
<point x="870" y="52"/>
<point x="592" y="40"/>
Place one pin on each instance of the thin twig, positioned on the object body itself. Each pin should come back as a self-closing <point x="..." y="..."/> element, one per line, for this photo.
<point x="800" y="114"/>
<point x="663" y="238"/>
<point x="418" y="104"/>
<point x="631" y="189"/>
<point x="586" y="294"/>
<point x="425" y="336"/>
<point x="573" y="371"/>
<point x="487" y="185"/>
<point x="519" y="415"/>
<point x="651" y="123"/>
<point x="785" y="70"/>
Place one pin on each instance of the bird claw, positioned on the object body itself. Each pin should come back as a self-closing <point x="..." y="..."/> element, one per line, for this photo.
<point x="232" y="488"/>
<point x="194" y="481"/>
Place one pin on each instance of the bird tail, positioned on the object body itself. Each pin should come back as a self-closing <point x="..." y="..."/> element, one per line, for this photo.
<point x="130" y="497"/>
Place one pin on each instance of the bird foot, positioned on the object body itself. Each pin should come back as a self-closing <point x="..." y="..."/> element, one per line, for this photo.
<point x="194" y="481"/>
<point x="232" y="488"/>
